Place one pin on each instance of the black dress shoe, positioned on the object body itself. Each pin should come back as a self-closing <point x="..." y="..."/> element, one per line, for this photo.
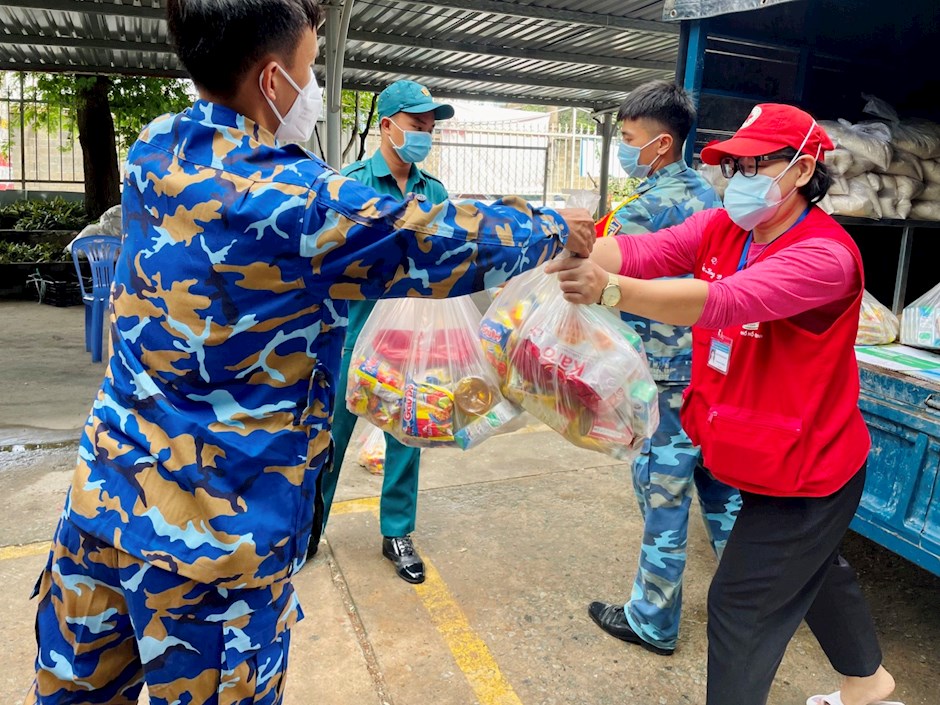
<point x="612" y="620"/>
<point x="401" y="551"/>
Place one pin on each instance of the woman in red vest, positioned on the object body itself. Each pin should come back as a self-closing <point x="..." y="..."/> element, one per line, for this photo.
<point x="773" y="402"/>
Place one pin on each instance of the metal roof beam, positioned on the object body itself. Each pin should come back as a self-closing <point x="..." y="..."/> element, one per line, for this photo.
<point x="516" y="79"/>
<point x="91" y="69"/>
<point x="85" y="43"/>
<point x="508" y="52"/>
<point x="588" y="19"/>
<point x="481" y="95"/>
<point x="102" y="8"/>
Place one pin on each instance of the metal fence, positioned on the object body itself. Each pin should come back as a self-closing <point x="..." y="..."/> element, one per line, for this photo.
<point x="39" y="147"/>
<point x="539" y="160"/>
<point x="489" y="160"/>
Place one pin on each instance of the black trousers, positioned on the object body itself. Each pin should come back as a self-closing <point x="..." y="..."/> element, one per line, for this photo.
<point x="782" y="565"/>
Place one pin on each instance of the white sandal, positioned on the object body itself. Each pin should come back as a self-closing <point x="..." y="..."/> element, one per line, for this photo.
<point x="836" y="699"/>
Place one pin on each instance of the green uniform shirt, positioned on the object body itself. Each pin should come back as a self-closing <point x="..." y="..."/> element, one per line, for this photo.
<point x="374" y="172"/>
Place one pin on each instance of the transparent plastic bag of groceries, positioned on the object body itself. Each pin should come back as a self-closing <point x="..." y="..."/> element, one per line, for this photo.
<point x="920" y="321"/>
<point x="579" y="369"/>
<point x="372" y="450"/>
<point x="418" y="372"/>
<point x="876" y="324"/>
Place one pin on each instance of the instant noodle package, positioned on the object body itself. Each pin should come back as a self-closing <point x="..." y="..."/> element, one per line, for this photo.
<point x="418" y="373"/>
<point x="578" y="369"/>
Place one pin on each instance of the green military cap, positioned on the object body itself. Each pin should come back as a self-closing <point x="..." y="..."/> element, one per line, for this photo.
<point x="411" y="97"/>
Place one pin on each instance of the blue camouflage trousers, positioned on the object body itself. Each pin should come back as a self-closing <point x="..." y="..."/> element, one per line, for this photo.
<point x="108" y="622"/>
<point x="663" y="478"/>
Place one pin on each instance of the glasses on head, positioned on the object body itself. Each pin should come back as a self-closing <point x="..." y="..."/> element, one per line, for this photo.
<point x="748" y="166"/>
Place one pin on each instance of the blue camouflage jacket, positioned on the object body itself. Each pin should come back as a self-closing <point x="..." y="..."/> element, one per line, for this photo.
<point x="666" y="198"/>
<point x="227" y="318"/>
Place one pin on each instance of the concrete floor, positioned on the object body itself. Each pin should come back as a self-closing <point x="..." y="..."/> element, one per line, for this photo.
<point x="519" y="535"/>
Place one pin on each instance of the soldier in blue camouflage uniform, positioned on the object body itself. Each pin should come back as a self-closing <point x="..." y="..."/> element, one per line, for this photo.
<point x="192" y="501"/>
<point x="655" y="120"/>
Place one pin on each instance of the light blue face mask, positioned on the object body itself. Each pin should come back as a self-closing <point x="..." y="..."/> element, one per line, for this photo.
<point x="415" y="147"/>
<point x="752" y="200"/>
<point x="629" y="157"/>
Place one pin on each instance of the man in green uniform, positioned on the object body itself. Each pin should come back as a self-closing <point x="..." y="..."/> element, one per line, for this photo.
<point x="407" y="115"/>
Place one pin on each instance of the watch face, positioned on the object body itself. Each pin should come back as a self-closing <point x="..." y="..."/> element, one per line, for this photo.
<point x="610" y="295"/>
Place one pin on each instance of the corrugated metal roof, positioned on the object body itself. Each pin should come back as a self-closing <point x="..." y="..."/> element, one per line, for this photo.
<point x="590" y="52"/>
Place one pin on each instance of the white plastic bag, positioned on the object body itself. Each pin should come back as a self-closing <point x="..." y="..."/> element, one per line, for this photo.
<point x="896" y="195"/>
<point x="931" y="192"/>
<point x="372" y="450"/>
<point x="915" y="136"/>
<point x="712" y="174"/>
<point x="869" y="143"/>
<point x="925" y="210"/>
<point x="876" y="324"/>
<point x="578" y="369"/>
<point x="904" y="164"/>
<point x="920" y="321"/>
<point x="861" y="202"/>
<point x="418" y="372"/>
<point x="839" y="186"/>
<point x="931" y="169"/>
<point x="841" y="162"/>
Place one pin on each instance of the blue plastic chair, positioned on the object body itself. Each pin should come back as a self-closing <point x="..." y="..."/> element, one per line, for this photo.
<point x="101" y="251"/>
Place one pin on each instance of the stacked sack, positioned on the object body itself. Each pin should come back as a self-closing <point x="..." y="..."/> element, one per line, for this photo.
<point x="888" y="168"/>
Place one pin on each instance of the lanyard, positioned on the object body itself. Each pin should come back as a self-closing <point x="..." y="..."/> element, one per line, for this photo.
<point x="742" y="263"/>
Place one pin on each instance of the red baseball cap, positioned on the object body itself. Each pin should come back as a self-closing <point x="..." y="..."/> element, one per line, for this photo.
<point x="769" y="128"/>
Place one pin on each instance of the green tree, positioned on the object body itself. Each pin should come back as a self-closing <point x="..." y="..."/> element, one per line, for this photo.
<point x="108" y="112"/>
<point x="358" y="118"/>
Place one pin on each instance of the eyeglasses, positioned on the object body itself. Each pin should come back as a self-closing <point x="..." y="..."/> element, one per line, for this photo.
<point x="747" y="165"/>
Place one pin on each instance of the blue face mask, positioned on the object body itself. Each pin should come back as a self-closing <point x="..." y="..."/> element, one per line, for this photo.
<point x="629" y="157"/>
<point x="752" y="200"/>
<point x="415" y="147"/>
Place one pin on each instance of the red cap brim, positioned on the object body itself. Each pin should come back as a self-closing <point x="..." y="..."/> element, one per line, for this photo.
<point x="740" y="147"/>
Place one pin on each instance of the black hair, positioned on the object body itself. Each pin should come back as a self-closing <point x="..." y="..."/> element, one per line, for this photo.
<point x="218" y="41"/>
<point x="663" y="102"/>
<point x="818" y="185"/>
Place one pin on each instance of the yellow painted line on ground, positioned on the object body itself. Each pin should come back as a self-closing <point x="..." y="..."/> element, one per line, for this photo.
<point x="30" y="549"/>
<point x="352" y="506"/>
<point x="469" y="650"/>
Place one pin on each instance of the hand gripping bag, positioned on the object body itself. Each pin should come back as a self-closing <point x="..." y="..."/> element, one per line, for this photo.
<point x="418" y="372"/>
<point x="578" y="369"/>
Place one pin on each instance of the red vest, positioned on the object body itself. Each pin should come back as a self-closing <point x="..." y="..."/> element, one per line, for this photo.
<point x="784" y="420"/>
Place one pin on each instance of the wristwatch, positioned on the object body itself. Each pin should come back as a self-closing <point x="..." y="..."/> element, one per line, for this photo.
<point x="610" y="296"/>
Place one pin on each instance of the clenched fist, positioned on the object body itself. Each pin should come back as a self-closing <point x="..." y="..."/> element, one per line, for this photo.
<point x="581" y="235"/>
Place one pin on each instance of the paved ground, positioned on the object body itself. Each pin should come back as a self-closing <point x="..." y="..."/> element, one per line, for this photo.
<point x="520" y="534"/>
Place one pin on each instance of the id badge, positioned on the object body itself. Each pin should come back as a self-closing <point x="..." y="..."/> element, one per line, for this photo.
<point x="719" y="354"/>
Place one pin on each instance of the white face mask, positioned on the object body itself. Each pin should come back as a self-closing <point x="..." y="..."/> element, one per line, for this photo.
<point x="297" y="125"/>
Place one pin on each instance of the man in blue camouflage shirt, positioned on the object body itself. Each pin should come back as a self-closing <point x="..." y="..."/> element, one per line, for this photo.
<point x="654" y="122"/>
<point x="191" y="506"/>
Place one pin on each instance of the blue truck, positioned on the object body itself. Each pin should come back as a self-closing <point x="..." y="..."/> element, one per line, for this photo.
<point x="823" y="55"/>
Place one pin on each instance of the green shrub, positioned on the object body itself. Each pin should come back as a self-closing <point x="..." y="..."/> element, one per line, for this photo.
<point x="53" y="214"/>
<point x="18" y="252"/>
